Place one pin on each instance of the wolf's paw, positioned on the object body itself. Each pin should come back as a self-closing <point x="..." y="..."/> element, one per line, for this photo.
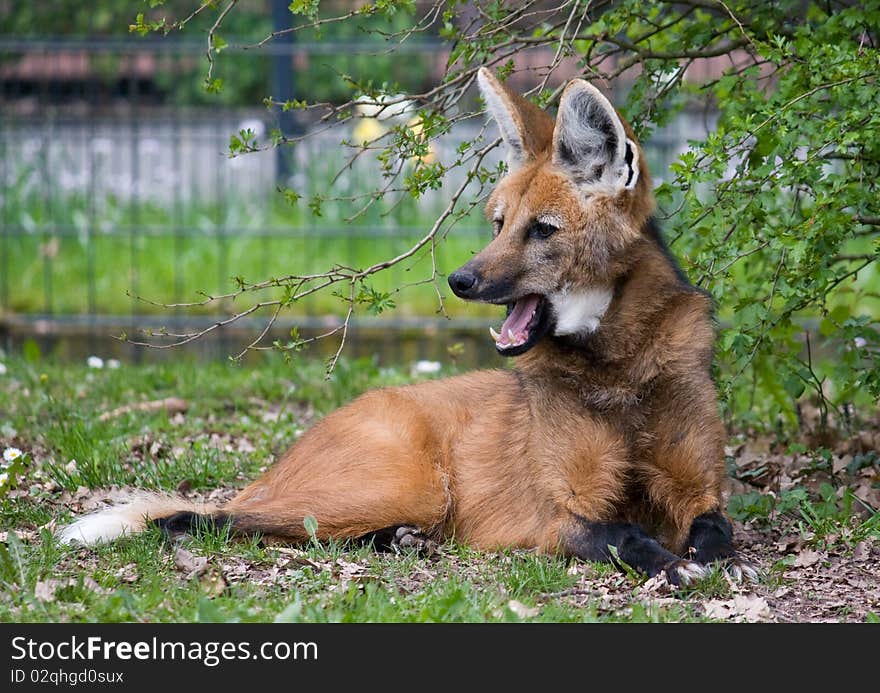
<point x="739" y="569"/>
<point x="683" y="572"/>
<point x="413" y="539"/>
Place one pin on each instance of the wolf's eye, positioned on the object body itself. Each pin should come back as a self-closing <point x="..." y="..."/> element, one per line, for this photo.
<point x="541" y="229"/>
<point x="497" y="224"/>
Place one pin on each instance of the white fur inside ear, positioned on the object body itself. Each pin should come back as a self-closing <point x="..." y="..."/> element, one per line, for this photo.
<point x="501" y="113"/>
<point x="589" y="140"/>
<point x="579" y="311"/>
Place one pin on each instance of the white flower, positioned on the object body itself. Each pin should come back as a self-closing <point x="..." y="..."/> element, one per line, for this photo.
<point x="11" y="454"/>
<point x="2" y="369"/>
<point x="113" y="363"/>
<point x="95" y="362"/>
<point x="426" y="367"/>
<point x="859" y="341"/>
<point x="3" y="478"/>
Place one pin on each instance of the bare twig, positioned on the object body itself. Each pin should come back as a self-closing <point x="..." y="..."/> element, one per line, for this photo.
<point x="211" y="32"/>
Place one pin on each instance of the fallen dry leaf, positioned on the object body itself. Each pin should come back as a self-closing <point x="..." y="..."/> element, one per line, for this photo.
<point x="23" y="534"/>
<point x="789" y="542"/>
<point x="298" y="556"/>
<point x="213" y="583"/>
<point x="806" y="558"/>
<point x="658" y="583"/>
<point x="749" y="608"/>
<point x="523" y="611"/>
<point x="172" y="405"/>
<point x="189" y="563"/>
<point x="245" y="446"/>
<point x="838" y="464"/>
<point x="45" y="590"/>
<point x="351" y="572"/>
<point x="128" y="573"/>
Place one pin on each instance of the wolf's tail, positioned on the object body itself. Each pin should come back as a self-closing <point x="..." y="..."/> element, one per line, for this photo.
<point x="134" y="516"/>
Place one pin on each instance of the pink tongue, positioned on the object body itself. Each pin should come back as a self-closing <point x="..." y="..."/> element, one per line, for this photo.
<point x="519" y="317"/>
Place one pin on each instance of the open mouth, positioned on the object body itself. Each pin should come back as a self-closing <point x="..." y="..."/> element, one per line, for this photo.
<point x="526" y="324"/>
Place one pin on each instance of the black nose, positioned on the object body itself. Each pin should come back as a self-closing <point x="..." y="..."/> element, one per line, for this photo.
<point x="461" y="282"/>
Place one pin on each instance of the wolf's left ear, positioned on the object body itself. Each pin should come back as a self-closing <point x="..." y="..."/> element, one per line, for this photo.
<point x="589" y="140"/>
<point x="525" y="128"/>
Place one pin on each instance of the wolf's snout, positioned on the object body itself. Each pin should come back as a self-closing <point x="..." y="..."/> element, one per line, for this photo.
<point x="463" y="282"/>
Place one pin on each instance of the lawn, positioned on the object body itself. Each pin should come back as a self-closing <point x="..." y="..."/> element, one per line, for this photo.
<point x="60" y="258"/>
<point x="805" y="514"/>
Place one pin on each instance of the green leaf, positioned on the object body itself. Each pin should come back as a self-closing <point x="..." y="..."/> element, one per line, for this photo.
<point x="311" y="527"/>
<point x="307" y="8"/>
<point x="214" y="86"/>
<point x="31" y="351"/>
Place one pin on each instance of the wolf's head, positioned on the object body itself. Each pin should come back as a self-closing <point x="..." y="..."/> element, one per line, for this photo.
<point x="575" y="198"/>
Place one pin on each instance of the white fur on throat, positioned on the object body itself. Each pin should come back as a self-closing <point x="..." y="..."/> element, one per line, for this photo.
<point x="127" y="518"/>
<point x="579" y="311"/>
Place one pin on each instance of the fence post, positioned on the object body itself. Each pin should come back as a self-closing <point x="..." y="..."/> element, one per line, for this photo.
<point x="283" y="85"/>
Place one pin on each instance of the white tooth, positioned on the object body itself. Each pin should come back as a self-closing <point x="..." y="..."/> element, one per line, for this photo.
<point x="494" y="334"/>
<point x="510" y="337"/>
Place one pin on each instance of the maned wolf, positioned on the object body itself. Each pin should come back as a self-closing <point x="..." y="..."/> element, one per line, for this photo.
<point x="603" y="442"/>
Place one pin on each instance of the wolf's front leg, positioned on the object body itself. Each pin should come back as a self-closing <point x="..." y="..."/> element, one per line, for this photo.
<point x="593" y="541"/>
<point x="711" y="539"/>
<point x="683" y="469"/>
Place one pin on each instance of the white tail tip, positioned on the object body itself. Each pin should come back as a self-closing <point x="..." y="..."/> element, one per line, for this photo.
<point x="102" y="526"/>
<point x="127" y="518"/>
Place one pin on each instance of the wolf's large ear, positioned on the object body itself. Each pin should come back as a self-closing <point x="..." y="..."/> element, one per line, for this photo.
<point x="589" y="141"/>
<point x="525" y="128"/>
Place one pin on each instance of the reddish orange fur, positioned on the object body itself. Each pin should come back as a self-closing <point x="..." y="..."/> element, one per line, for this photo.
<point x="506" y="458"/>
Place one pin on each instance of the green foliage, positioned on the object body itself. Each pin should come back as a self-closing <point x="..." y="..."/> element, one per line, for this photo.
<point x="376" y="302"/>
<point x="771" y="209"/>
<point x="826" y="516"/>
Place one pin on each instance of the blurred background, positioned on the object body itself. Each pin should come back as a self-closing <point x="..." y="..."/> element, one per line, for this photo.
<point x="116" y="183"/>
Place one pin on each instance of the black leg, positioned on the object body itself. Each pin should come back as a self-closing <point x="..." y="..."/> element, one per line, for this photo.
<point x="634" y="546"/>
<point x="711" y="539"/>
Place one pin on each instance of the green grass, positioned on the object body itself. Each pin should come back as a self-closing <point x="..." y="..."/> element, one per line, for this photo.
<point x="239" y="419"/>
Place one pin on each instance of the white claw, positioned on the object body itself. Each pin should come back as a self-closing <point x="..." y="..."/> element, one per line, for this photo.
<point x="688" y="571"/>
<point x="494" y="334"/>
<point x="750" y="573"/>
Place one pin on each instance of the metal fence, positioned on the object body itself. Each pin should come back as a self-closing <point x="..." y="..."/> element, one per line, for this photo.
<point x="116" y="183"/>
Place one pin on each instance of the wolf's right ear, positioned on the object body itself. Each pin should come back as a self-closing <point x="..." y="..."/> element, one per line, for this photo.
<point x="525" y="128"/>
<point x="590" y="142"/>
